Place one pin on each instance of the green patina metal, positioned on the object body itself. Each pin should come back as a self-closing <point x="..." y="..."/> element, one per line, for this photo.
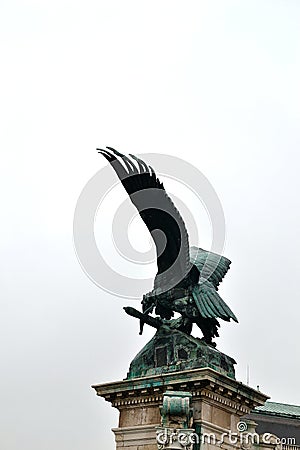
<point x="279" y="409"/>
<point x="188" y="278"/>
<point x="198" y="432"/>
<point x="172" y="350"/>
<point x="186" y="283"/>
<point x="176" y="421"/>
<point x="176" y="406"/>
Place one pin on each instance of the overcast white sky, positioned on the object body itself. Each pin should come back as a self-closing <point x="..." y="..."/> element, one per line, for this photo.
<point x="213" y="82"/>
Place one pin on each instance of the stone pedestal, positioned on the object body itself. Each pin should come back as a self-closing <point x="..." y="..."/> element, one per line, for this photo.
<point x="218" y="403"/>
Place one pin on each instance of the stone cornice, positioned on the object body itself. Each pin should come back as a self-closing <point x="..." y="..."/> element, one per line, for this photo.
<point x="204" y="383"/>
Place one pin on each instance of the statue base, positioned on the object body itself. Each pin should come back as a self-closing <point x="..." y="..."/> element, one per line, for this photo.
<point x="172" y="350"/>
<point x="218" y="402"/>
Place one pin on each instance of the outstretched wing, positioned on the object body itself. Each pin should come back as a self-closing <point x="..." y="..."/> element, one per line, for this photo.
<point x="212" y="267"/>
<point x="157" y="210"/>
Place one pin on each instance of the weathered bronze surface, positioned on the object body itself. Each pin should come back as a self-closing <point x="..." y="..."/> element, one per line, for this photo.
<point x="186" y="282"/>
<point x="172" y="350"/>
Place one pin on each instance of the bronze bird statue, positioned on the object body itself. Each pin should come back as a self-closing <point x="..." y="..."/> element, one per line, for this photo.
<point x="187" y="279"/>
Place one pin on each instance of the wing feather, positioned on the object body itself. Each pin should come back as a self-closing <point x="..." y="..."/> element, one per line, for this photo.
<point x="200" y="305"/>
<point x="215" y="302"/>
<point x="158" y="212"/>
<point x="209" y="303"/>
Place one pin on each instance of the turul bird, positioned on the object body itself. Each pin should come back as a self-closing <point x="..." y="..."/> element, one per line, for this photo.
<point x="187" y="278"/>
